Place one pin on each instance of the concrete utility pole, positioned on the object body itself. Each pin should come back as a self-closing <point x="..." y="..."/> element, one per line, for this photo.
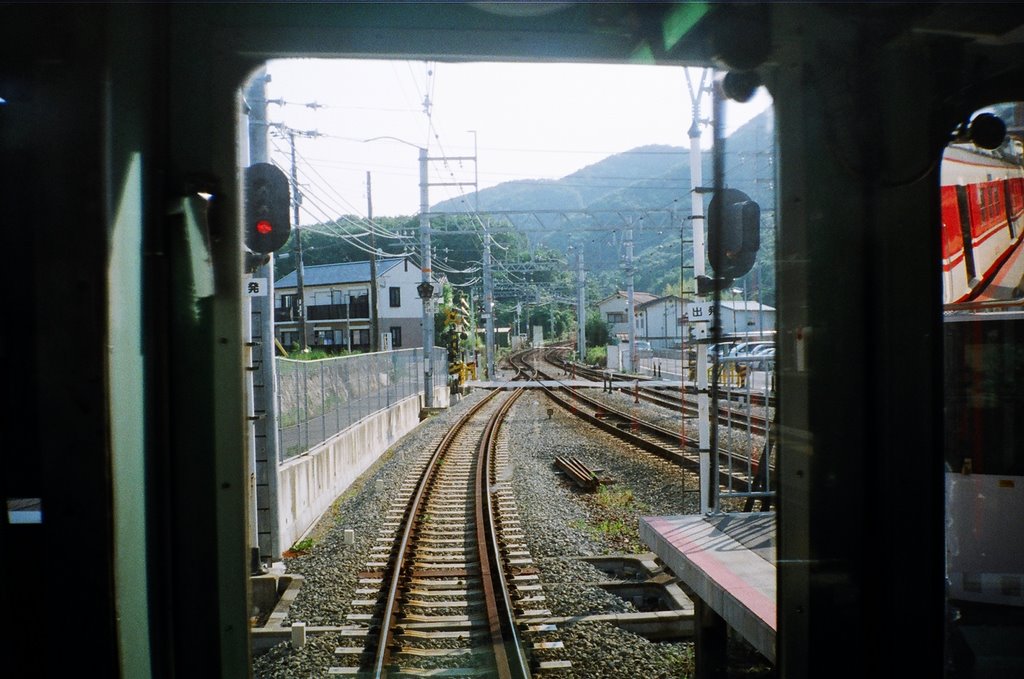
<point x="707" y="499"/>
<point x="374" y="336"/>
<point x="630" y="302"/>
<point x="488" y="302"/>
<point x="581" y="309"/>
<point x="263" y="378"/>
<point x="426" y="286"/>
<point x="488" y="277"/>
<point x="427" y="264"/>
<point x="296" y="202"/>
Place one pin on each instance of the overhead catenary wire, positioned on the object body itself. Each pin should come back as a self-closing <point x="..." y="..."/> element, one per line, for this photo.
<point x="328" y="227"/>
<point x="308" y="168"/>
<point x="321" y="200"/>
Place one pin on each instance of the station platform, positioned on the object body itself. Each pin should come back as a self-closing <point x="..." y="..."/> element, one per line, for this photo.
<point x="728" y="562"/>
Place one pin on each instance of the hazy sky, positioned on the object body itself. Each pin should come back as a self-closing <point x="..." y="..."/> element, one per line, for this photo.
<point x="521" y="121"/>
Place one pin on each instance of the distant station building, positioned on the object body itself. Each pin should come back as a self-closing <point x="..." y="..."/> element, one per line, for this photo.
<point x="336" y="298"/>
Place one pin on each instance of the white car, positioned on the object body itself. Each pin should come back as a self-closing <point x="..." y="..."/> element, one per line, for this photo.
<point x="643" y="349"/>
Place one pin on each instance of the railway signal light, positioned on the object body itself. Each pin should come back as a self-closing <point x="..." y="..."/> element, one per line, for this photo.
<point x="267" y="198"/>
<point x="734" y="233"/>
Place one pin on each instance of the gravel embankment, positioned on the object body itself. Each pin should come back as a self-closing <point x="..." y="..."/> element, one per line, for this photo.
<point x="561" y="524"/>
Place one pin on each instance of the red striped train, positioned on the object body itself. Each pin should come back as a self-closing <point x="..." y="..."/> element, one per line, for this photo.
<point x="982" y="217"/>
<point x="982" y="225"/>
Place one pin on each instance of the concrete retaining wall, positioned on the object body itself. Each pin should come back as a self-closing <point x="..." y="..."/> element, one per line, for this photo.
<point x="308" y="484"/>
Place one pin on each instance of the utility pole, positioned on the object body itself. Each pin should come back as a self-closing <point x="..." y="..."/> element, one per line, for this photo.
<point x="374" y="337"/>
<point x="707" y="498"/>
<point x="718" y="182"/>
<point x="262" y="385"/>
<point x="488" y="277"/>
<point x="581" y="309"/>
<point x="296" y="202"/>
<point x="427" y="287"/>
<point x="488" y="301"/>
<point x="630" y="302"/>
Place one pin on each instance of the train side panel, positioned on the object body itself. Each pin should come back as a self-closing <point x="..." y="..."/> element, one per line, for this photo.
<point x="982" y="219"/>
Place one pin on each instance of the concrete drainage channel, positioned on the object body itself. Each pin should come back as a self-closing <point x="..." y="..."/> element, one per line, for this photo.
<point x="275" y="592"/>
<point x="664" y="611"/>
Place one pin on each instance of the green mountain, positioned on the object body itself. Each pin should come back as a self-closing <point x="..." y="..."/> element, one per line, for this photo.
<point x="594" y="207"/>
<point x="646" y="189"/>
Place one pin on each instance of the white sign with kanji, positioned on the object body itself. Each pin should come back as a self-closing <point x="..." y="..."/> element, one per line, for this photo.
<point x="256" y="287"/>
<point x="699" y="312"/>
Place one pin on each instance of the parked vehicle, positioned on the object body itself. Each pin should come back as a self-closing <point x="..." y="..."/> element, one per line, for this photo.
<point x="749" y="348"/>
<point x="643" y="349"/>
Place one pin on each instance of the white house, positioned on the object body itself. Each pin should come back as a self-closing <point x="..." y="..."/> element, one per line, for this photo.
<point x="614" y="310"/>
<point x="337" y="304"/>
<point x="662" y="321"/>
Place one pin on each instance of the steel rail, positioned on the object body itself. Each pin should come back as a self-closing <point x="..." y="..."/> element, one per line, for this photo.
<point x="388" y="618"/>
<point x="506" y="645"/>
<point x="726" y="478"/>
<point x="671" y="401"/>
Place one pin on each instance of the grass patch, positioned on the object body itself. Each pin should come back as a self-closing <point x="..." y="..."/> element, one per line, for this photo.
<point x="613" y="522"/>
<point x="303" y="546"/>
<point x="613" y="497"/>
<point x="612" y="528"/>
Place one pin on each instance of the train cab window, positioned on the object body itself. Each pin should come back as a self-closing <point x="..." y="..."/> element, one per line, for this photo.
<point x="540" y="184"/>
<point x="983" y="349"/>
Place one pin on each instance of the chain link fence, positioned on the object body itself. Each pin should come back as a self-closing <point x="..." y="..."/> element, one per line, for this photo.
<point x="318" y="399"/>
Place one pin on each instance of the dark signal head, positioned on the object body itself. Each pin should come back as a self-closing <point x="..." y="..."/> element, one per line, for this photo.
<point x="734" y="233"/>
<point x="266" y="198"/>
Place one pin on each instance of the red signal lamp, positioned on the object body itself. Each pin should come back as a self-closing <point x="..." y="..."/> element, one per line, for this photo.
<point x="266" y="195"/>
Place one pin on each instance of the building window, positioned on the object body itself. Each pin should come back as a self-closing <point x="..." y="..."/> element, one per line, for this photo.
<point x="360" y="338"/>
<point x="359" y="303"/>
<point x="395" y="296"/>
<point x="616" y="317"/>
<point x="289" y="339"/>
<point x="396" y="334"/>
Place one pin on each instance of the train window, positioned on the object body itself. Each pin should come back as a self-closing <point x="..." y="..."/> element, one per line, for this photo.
<point x="527" y="175"/>
<point x="983" y="347"/>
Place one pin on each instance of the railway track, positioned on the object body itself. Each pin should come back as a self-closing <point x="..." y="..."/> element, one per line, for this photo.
<point x="456" y="581"/>
<point x="672" y="445"/>
<point x="674" y="400"/>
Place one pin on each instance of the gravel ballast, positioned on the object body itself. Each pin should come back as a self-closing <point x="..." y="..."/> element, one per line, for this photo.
<point x="561" y="524"/>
